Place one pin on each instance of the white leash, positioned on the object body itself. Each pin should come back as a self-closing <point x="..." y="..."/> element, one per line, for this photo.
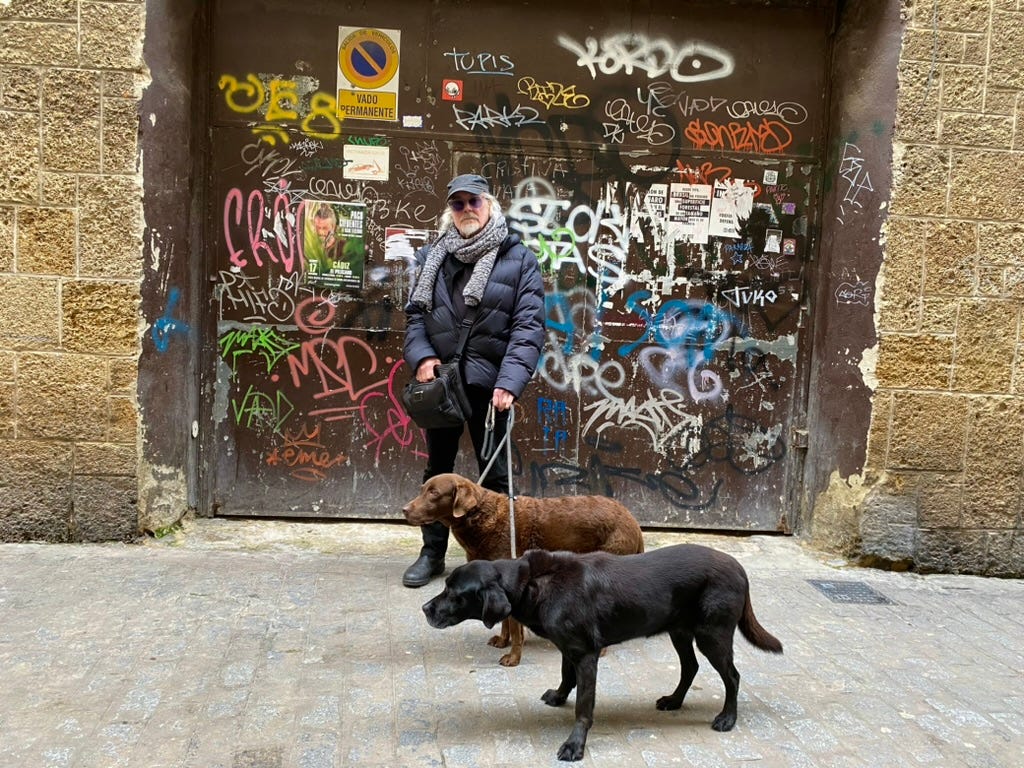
<point x="506" y="440"/>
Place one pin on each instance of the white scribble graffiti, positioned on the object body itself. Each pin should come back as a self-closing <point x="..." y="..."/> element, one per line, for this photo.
<point x="308" y="147"/>
<point x="249" y="298"/>
<point x="484" y="118"/>
<point x="629" y="123"/>
<point x="665" y="417"/>
<point x="628" y="51"/>
<point x="266" y="161"/>
<point x="853" y="291"/>
<point x="789" y="112"/>
<point x="579" y="372"/>
<point x="555" y="233"/>
<point x="852" y="169"/>
<point x="676" y="362"/>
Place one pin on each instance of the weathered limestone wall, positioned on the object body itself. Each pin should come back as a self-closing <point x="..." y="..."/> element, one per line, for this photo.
<point x="946" y="447"/>
<point x="70" y="231"/>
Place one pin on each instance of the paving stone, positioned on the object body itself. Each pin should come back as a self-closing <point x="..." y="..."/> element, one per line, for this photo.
<point x="205" y="651"/>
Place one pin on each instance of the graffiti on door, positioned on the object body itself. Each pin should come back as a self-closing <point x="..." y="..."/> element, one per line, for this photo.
<point x="670" y="204"/>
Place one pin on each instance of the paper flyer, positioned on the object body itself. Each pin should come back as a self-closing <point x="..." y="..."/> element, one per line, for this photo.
<point x="731" y="205"/>
<point x="689" y="212"/>
<point x="369" y="163"/>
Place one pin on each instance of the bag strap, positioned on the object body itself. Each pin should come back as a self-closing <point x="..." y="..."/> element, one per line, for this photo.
<point x="467" y="324"/>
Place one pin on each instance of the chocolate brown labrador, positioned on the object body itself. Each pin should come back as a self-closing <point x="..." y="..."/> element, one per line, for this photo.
<point x="479" y="520"/>
<point x="584" y="603"/>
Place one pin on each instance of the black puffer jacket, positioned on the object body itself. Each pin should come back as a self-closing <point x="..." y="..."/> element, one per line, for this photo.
<point x="508" y="335"/>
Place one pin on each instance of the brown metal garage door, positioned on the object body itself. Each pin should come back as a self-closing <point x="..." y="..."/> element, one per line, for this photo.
<point x="662" y="159"/>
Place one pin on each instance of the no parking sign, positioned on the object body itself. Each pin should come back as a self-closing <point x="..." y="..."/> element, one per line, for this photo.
<point x="368" y="65"/>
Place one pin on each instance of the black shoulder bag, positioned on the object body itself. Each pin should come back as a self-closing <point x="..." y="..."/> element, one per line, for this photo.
<point x="441" y="402"/>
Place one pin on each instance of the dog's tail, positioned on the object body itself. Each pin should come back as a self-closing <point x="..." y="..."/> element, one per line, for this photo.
<point x="757" y="635"/>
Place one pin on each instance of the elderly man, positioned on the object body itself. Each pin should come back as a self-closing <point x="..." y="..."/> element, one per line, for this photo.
<point x="476" y="262"/>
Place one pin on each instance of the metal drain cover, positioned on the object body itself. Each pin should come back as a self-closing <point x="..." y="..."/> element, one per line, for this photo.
<point x="849" y="592"/>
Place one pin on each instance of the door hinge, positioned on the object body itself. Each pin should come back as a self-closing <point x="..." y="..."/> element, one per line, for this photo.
<point x="798" y="437"/>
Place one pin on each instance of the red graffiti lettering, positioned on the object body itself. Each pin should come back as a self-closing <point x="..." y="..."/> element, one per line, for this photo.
<point x="705" y="173"/>
<point x="333" y="365"/>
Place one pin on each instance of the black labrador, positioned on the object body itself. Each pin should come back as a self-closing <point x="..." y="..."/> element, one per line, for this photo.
<point x="584" y="603"/>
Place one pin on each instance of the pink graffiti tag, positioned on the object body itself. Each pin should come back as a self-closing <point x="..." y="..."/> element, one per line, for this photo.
<point x="334" y="365"/>
<point x="286" y="228"/>
<point x="315" y="315"/>
<point x="398" y="427"/>
<point x="334" y="361"/>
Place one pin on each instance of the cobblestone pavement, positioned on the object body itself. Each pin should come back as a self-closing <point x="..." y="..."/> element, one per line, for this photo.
<point x="259" y="644"/>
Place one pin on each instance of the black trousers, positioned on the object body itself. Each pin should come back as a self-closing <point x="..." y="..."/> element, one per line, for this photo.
<point x="443" y="448"/>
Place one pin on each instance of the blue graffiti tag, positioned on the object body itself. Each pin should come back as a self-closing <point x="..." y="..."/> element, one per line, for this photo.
<point x="167" y="326"/>
<point x="696" y="326"/>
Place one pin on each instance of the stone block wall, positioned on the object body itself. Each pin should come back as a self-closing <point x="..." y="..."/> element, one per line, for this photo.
<point x="71" y="76"/>
<point x="946" y="446"/>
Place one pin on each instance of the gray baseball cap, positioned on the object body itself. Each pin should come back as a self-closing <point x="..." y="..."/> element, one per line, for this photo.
<point x="472" y="183"/>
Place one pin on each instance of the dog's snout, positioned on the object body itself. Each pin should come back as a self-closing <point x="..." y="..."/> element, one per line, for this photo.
<point x="412" y="516"/>
<point x="430" y="611"/>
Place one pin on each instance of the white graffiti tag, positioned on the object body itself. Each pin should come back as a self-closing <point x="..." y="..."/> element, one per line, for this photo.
<point x="858" y="180"/>
<point x="684" y="63"/>
<point x="552" y="230"/>
<point x="665" y="417"/>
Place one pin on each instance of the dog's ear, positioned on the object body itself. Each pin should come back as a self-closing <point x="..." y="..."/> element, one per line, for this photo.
<point x="513" y="574"/>
<point x="465" y="498"/>
<point x="541" y="560"/>
<point x="496" y="605"/>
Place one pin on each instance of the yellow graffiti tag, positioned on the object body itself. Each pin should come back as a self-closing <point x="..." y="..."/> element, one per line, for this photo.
<point x="252" y="89"/>
<point x="281" y="105"/>
<point x="322" y="106"/>
<point x="283" y="94"/>
<point x="552" y="94"/>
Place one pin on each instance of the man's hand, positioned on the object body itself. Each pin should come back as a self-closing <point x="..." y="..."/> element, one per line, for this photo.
<point x="425" y="370"/>
<point x="502" y="399"/>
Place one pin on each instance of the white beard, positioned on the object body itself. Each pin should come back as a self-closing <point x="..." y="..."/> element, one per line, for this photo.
<point x="469" y="228"/>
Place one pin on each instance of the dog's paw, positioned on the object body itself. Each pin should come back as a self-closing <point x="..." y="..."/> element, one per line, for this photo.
<point x="553" y="698"/>
<point x="724" y="722"/>
<point x="510" y="659"/>
<point x="570" y="751"/>
<point x="499" y="642"/>
<point x="668" y="702"/>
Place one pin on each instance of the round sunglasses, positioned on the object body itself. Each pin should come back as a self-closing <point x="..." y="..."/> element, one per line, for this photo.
<point x="459" y="206"/>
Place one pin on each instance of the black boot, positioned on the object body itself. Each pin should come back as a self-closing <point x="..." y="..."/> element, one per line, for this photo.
<point x="423" y="570"/>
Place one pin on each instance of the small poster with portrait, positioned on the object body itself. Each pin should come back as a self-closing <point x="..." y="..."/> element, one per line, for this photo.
<point x="334" y="243"/>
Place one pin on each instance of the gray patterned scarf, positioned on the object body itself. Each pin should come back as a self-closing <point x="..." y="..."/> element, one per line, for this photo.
<point x="480" y="249"/>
